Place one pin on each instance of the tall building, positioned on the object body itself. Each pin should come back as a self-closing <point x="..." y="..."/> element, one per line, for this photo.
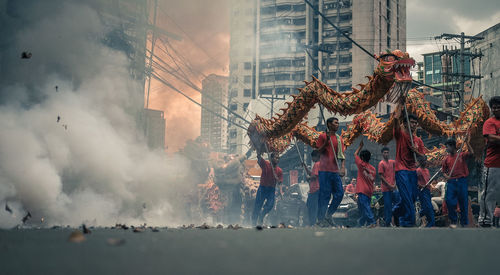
<point x="277" y="44"/>
<point x="213" y="128"/>
<point x="488" y="66"/>
<point x="154" y="127"/>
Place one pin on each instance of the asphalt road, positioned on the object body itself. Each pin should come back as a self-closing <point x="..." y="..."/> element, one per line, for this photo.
<point x="248" y="251"/>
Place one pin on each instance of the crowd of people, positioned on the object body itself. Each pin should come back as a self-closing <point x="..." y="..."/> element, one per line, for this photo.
<point x="403" y="181"/>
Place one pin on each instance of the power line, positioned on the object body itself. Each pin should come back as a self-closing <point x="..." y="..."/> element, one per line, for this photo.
<point x="190" y="84"/>
<point x="166" y="83"/>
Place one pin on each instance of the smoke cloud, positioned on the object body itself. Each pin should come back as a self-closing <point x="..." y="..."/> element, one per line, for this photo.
<point x="74" y="153"/>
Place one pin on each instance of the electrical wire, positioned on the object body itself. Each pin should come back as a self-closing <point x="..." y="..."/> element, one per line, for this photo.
<point x="166" y="83"/>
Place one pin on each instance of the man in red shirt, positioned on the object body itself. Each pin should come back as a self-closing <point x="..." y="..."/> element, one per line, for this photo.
<point x="330" y="171"/>
<point x="424" y="195"/>
<point x="406" y="175"/>
<point x="351" y="187"/>
<point x="312" y="196"/>
<point x="456" y="185"/>
<point x="365" y="185"/>
<point x="491" y="191"/>
<point x="266" y="191"/>
<point x="388" y="186"/>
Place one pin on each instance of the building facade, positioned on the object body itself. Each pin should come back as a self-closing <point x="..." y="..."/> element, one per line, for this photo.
<point x="437" y="66"/>
<point x="277" y="44"/>
<point x="214" y="96"/>
<point x="488" y="66"/>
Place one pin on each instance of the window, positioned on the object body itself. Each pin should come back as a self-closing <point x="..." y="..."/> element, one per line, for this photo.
<point x="234" y="79"/>
<point x="388" y="108"/>
<point x="245" y="106"/>
<point x="282" y="91"/>
<point x="233" y="107"/>
<point x="233" y="134"/>
<point x="247" y="79"/>
<point x="299" y="22"/>
<point x="247" y="65"/>
<point x="283" y="77"/>
<point x="266" y="91"/>
<point x="346" y="17"/>
<point x="283" y="8"/>
<point x="232" y="148"/>
<point x="299" y="7"/>
<point x="247" y="93"/>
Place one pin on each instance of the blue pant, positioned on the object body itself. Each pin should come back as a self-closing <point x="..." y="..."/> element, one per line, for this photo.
<point x="329" y="184"/>
<point x="456" y="189"/>
<point x="424" y="197"/>
<point x="312" y="207"/>
<point x="407" y="186"/>
<point x="365" y="210"/>
<point x="263" y="193"/>
<point x="391" y="198"/>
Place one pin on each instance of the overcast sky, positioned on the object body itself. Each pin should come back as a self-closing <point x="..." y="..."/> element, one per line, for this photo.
<point x="429" y="18"/>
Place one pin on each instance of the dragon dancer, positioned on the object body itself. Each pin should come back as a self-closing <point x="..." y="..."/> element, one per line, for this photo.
<point x="406" y="175"/>
<point x="331" y="147"/>
<point x="267" y="187"/>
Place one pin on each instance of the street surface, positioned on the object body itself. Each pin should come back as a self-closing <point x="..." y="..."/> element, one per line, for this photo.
<point x="249" y="251"/>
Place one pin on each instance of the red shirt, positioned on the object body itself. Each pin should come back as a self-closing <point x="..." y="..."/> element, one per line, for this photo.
<point x="350" y="188"/>
<point x="404" y="156"/>
<point x="364" y="184"/>
<point x="386" y="169"/>
<point x="423" y="176"/>
<point x="327" y="159"/>
<point x="314" y="184"/>
<point x="267" y="177"/>
<point x="460" y="170"/>
<point x="492" y="127"/>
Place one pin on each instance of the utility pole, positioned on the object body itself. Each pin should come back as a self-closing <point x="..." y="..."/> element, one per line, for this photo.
<point x="461" y="73"/>
<point x="153" y="39"/>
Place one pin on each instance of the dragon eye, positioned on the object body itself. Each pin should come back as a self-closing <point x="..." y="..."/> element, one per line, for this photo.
<point x="389" y="57"/>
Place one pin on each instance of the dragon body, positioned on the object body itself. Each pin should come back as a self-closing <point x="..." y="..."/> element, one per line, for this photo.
<point x="393" y="68"/>
<point x="389" y="82"/>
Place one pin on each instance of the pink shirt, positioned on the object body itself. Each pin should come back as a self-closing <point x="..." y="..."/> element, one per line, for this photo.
<point x="314" y="184"/>
<point x="387" y="170"/>
<point x="327" y="158"/>
<point x="364" y="184"/>
<point x="404" y="156"/>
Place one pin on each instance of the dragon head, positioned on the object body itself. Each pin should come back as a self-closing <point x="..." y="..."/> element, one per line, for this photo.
<point x="395" y="64"/>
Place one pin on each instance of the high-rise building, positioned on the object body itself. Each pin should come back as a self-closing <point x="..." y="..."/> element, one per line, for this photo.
<point x="277" y="44"/>
<point x="214" y="96"/>
<point x="154" y="127"/>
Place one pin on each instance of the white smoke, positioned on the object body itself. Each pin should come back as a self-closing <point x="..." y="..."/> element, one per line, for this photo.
<point x="93" y="165"/>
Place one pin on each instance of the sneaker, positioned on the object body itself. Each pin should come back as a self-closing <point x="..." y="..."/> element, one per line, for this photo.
<point x="485" y="225"/>
<point x="373" y="225"/>
<point x="453" y="226"/>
